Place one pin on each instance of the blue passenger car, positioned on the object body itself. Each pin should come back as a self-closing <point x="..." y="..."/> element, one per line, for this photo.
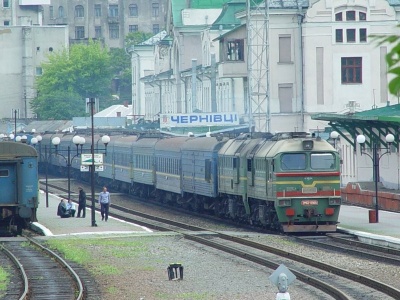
<point x="200" y="167"/>
<point x="168" y="162"/>
<point x="19" y="185"/>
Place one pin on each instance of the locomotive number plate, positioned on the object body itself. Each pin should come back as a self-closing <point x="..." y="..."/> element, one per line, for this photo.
<point x="309" y="190"/>
<point x="309" y="202"/>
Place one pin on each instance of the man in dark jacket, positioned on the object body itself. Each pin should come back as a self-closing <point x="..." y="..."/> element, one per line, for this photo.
<point x="82" y="203"/>
<point x="62" y="210"/>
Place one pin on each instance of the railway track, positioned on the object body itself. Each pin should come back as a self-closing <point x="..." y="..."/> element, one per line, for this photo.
<point x="42" y="274"/>
<point x="344" y="284"/>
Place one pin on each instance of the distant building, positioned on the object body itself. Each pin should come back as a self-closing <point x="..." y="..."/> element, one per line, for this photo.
<point x="24" y="45"/>
<point x="108" y="21"/>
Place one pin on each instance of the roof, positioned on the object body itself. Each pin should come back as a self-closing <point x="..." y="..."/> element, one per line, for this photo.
<point x="227" y="18"/>
<point x="178" y="5"/>
<point x="374" y="123"/>
<point x="155" y="38"/>
<point x="115" y="111"/>
<point x="50" y="126"/>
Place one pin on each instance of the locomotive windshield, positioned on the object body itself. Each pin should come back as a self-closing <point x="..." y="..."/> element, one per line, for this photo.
<point x="293" y="161"/>
<point x="322" y="161"/>
<point x="298" y="161"/>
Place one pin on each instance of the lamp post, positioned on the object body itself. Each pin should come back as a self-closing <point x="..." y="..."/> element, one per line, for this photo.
<point x="375" y="161"/>
<point x="77" y="141"/>
<point x="105" y="139"/>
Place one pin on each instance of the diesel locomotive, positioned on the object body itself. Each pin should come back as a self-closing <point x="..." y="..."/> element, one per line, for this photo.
<point x="288" y="182"/>
<point x="19" y="185"/>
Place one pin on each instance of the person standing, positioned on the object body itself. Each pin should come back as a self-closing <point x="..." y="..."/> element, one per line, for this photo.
<point x="105" y="202"/>
<point x="82" y="203"/>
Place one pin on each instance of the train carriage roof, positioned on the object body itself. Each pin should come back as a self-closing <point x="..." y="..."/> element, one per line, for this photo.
<point x="272" y="148"/>
<point x="242" y="146"/>
<point x="14" y="149"/>
<point x="122" y="140"/>
<point x="203" y="144"/>
<point x="171" y="144"/>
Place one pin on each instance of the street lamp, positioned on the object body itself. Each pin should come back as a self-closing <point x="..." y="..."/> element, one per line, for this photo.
<point x="375" y="161"/>
<point x="77" y="141"/>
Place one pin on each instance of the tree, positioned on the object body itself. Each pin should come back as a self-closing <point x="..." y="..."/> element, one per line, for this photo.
<point x="69" y="77"/>
<point x="134" y="38"/>
<point x="121" y="68"/>
<point x="393" y="60"/>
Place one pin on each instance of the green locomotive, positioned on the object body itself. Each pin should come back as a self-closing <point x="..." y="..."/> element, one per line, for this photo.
<point x="289" y="182"/>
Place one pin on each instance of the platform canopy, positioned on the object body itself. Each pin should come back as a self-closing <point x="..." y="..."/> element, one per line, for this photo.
<point x="374" y="124"/>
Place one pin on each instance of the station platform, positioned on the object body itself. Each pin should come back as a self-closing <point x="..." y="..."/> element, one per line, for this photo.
<point x="49" y="224"/>
<point x="356" y="220"/>
<point x="352" y="219"/>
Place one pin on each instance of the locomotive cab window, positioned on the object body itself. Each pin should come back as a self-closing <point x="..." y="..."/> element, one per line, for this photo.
<point x="293" y="161"/>
<point x="322" y="161"/>
<point x="3" y="173"/>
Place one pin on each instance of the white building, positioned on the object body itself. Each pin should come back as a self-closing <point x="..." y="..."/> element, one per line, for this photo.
<point x="24" y="45"/>
<point x="320" y="58"/>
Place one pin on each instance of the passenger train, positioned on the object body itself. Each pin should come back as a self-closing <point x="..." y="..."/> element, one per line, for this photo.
<point x="19" y="185"/>
<point x="288" y="182"/>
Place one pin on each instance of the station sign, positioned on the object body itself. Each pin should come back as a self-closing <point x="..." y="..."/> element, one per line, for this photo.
<point x="97" y="168"/>
<point x="199" y="119"/>
<point x="86" y="159"/>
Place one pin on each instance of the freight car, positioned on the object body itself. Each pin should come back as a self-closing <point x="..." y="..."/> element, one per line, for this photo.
<point x="19" y="185"/>
<point x="288" y="182"/>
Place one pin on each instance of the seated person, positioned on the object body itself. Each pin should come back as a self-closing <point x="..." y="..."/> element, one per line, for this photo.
<point x="71" y="207"/>
<point x="62" y="210"/>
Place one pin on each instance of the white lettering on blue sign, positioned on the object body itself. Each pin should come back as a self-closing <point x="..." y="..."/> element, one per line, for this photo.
<point x="202" y="119"/>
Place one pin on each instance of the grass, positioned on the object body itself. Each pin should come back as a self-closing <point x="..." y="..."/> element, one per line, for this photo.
<point x="4" y="279"/>
<point x="86" y="252"/>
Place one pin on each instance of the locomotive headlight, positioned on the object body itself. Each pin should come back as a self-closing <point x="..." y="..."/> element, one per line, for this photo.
<point x="285" y="202"/>
<point x="308" y="145"/>
<point x="335" y="201"/>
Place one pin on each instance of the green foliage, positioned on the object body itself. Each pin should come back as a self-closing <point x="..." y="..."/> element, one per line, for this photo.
<point x="4" y="279"/>
<point x="134" y="38"/>
<point x="393" y="60"/>
<point x="121" y="68"/>
<point x="69" y="77"/>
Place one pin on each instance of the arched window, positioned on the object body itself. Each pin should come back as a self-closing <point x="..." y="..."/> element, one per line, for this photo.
<point x="133" y="10"/>
<point x="61" y="12"/>
<point x="79" y="11"/>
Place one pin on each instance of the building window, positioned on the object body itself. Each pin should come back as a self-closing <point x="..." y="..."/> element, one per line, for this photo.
<point x="39" y="71"/>
<point x="285" y="94"/>
<point x="133" y="10"/>
<point x="113" y="11"/>
<point x="363" y="34"/>
<point x="235" y="50"/>
<point x="97" y="32"/>
<point x="156" y="28"/>
<point x="339" y="17"/>
<point x="339" y="35"/>
<point x="114" y="31"/>
<point x="350" y="15"/>
<point x="351" y="70"/>
<point x="155" y="9"/>
<point x="51" y="12"/>
<point x="285" y="47"/>
<point x="79" y="32"/>
<point x="133" y="28"/>
<point x="61" y="12"/>
<point x="97" y="10"/>
<point x="362" y="16"/>
<point x="79" y="11"/>
<point x="6" y="3"/>
<point x="351" y="35"/>
<point x="6" y="23"/>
